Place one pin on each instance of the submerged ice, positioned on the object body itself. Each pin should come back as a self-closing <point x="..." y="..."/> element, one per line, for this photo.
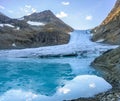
<point x="51" y="79"/>
<point x="80" y="86"/>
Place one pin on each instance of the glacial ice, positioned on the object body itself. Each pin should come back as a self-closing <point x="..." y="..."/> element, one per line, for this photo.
<point x="79" y="43"/>
<point x="86" y="85"/>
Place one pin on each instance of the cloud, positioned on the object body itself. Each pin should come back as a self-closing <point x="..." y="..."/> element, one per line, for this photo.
<point x="65" y="3"/>
<point x="10" y="11"/>
<point x="89" y="17"/>
<point x="28" y="9"/>
<point x="27" y="6"/>
<point x="33" y="10"/>
<point x="61" y="15"/>
<point x="2" y="7"/>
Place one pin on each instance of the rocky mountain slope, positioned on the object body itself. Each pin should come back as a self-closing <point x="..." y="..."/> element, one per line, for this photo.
<point x="109" y="30"/>
<point x="109" y="62"/>
<point x="49" y="19"/>
<point x="109" y="65"/>
<point x="35" y="30"/>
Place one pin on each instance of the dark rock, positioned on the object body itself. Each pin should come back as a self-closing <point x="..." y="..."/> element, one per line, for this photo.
<point x="109" y="64"/>
<point x="109" y="30"/>
<point x="24" y="35"/>
<point x="3" y="18"/>
<point x="50" y="20"/>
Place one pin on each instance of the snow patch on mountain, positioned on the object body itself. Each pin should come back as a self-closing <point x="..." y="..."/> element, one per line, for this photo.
<point x="101" y="40"/>
<point x="33" y="23"/>
<point x="8" y="25"/>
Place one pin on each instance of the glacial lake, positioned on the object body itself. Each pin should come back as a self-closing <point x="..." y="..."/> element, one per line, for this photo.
<point x="52" y="79"/>
<point x="49" y="79"/>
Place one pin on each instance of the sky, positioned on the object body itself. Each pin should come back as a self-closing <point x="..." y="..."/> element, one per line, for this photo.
<point x="80" y="14"/>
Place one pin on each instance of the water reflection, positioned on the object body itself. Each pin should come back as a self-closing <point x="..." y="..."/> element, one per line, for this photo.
<point x="37" y="76"/>
<point x="80" y="86"/>
<point x="47" y="79"/>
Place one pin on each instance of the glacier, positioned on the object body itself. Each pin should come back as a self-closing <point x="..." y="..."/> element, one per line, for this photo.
<point x="79" y="44"/>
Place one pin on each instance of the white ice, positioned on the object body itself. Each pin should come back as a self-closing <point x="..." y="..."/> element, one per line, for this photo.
<point x="18" y="28"/>
<point x="1" y="25"/>
<point x="100" y="40"/>
<point x="79" y="43"/>
<point x="35" y="23"/>
<point x="83" y="86"/>
<point x="80" y="86"/>
<point x="9" y="25"/>
<point x="13" y="44"/>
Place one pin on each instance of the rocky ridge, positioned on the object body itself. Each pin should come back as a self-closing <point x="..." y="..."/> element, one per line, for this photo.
<point x="109" y="65"/>
<point x="109" y="30"/>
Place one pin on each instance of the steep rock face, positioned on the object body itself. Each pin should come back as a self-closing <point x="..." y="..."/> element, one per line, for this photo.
<point x="18" y="33"/>
<point x="109" y="64"/>
<point x="109" y="30"/>
<point x="3" y="18"/>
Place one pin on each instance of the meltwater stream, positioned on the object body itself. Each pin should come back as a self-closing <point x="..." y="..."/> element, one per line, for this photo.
<point x="52" y="79"/>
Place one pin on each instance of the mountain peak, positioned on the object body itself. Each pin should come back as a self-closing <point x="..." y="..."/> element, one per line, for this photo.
<point x="35" y="30"/>
<point x="113" y="13"/>
<point x="47" y="12"/>
<point x="44" y="16"/>
<point x="3" y="18"/>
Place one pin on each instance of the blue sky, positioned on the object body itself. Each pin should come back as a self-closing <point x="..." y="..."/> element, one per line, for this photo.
<point x="80" y="14"/>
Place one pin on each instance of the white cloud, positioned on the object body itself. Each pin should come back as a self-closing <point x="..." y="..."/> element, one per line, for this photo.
<point x="61" y="15"/>
<point x="2" y="7"/>
<point x="65" y="3"/>
<point x="33" y="10"/>
<point x="28" y="6"/>
<point x="28" y="9"/>
<point x="10" y="11"/>
<point x="89" y="17"/>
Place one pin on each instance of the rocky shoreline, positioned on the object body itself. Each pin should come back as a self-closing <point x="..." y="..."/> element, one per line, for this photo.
<point x="111" y="95"/>
<point x="109" y="66"/>
<point x="109" y="62"/>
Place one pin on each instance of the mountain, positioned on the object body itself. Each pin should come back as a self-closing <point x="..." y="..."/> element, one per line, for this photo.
<point x="109" y="30"/>
<point x="109" y="66"/>
<point x="49" y="19"/>
<point x="35" y="30"/>
<point x="109" y="62"/>
<point x="3" y="18"/>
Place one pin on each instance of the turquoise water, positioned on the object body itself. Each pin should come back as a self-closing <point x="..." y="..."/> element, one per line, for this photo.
<point x="41" y="76"/>
<point x="32" y="74"/>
